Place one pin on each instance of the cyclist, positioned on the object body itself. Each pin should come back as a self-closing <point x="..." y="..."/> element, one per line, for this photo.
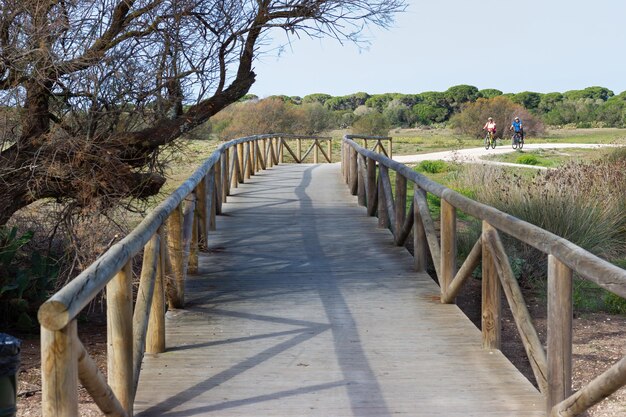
<point x="490" y="126"/>
<point x="517" y="127"/>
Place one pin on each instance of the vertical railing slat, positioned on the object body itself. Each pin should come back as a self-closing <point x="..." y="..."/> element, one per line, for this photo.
<point x="400" y="207"/>
<point x="145" y="294"/>
<point x="491" y="296"/>
<point x="119" y="293"/>
<point x="420" y="241"/>
<point x="155" y="339"/>
<point x="448" y="244"/>
<point x="59" y="372"/>
<point x="560" y="313"/>
<point x="175" y="251"/>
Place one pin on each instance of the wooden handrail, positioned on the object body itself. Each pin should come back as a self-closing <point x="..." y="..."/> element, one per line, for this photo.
<point x="167" y="257"/>
<point x="592" y="267"/>
<point x="552" y="371"/>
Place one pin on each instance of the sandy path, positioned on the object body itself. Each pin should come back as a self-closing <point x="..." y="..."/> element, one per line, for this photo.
<point x="474" y="155"/>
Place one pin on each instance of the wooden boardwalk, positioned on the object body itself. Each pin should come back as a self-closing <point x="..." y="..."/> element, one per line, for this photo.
<point x="303" y="307"/>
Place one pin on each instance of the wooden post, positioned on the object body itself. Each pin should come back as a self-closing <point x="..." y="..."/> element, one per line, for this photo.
<point x="448" y="244"/>
<point x="354" y="176"/>
<point x="248" y="162"/>
<point x="371" y="187"/>
<point x="120" y="336"/>
<point x="193" y="245"/>
<point x="281" y="150"/>
<point x="155" y="338"/>
<point x="145" y="294"/>
<point x="316" y="145"/>
<point x="390" y="149"/>
<point x="272" y="153"/>
<point x="299" y="149"/>
<point x="401" y="207"/>
<point x="361" y="172"/>
<point x="264" y="154"/>
<point x="95" y="383"/>
<point x="175" y="246"/>
<point x="420" y="243"/>
<point x="330" y="151"/>
<point x="188" y="224"/>
<point x="383" y="216"/>
<point x="343" y="159"/>
<point x="217" y="189"/>
<point x="59" y="372"/>
<point x="203" y="211"/>
<point x="235" y="172"/>
<point x="225" y="176"/>
<point x="560" y="311"/>
<point x="252" y="156"/>
<point x="491" y="296"/>
<point x="240" y="163"/>
<point x="346" y="156"/>
<point x="211" y="202"/>
<point x="260" y="156"/>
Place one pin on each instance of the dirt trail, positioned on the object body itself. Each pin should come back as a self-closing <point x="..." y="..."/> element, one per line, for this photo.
<point x="474" y="155"/>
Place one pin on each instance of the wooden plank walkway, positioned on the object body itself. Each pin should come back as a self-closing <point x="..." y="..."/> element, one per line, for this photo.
<point x="303" y="307"/>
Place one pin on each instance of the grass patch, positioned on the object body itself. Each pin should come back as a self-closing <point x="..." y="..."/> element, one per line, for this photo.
<point x="603" y="135"/>
<point x="432" y="167"/>
<point x="527" y="159"/>
<point x="551" y="158"/>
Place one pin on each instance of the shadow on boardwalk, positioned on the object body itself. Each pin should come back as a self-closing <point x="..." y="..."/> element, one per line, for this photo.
<point x="304" y="308"/>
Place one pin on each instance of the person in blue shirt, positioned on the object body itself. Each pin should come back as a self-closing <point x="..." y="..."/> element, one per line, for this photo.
<point x="517" y="127"/>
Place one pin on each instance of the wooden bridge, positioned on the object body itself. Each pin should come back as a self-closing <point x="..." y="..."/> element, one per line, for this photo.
<point x="287" y="297"/>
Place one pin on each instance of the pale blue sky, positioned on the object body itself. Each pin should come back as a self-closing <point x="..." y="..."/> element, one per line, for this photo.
<point x="534" y="45"/>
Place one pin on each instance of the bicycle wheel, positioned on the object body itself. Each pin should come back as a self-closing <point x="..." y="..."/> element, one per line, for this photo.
<point x="487" y="141"/>
<point x="493" y="142"/>
<point x="521" y="142"/>
<point x="514" y="142"/>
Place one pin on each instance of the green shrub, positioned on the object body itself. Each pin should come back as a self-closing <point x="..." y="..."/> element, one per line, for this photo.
<point x="568" y="202"/>
<point x="527" y="159"/>
<point x="614" y="303"/>
<point x="432" y="167"/>
<point x="434" y="204"/>
<point x="24" y="279"/>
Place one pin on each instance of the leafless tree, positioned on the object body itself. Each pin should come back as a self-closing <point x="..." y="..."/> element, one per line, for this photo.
<point x="91" y="90"/>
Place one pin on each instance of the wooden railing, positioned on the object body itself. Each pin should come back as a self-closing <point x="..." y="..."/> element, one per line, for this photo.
<point x="367" y="174"/>
<point x="366" y="142"/>
<point x="312" y="144"/>
<point x="170" y="237"/>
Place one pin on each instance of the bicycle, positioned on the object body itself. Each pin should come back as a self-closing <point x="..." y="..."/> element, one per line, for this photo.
<point x="490" y="140"/>
<point x="517" y="140"/>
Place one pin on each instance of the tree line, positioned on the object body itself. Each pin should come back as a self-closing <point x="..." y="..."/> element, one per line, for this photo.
<point x="372" y="113"/>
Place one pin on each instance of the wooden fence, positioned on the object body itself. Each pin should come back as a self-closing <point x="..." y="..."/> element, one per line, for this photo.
<point x="170" y="237"/>
<point x="367" y="174"/>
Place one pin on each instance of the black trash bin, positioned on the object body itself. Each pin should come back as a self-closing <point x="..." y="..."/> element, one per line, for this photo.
<point x="9" y="364"/>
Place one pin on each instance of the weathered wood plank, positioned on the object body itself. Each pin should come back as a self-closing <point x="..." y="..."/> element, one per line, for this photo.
<point x="311" y="331"/>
